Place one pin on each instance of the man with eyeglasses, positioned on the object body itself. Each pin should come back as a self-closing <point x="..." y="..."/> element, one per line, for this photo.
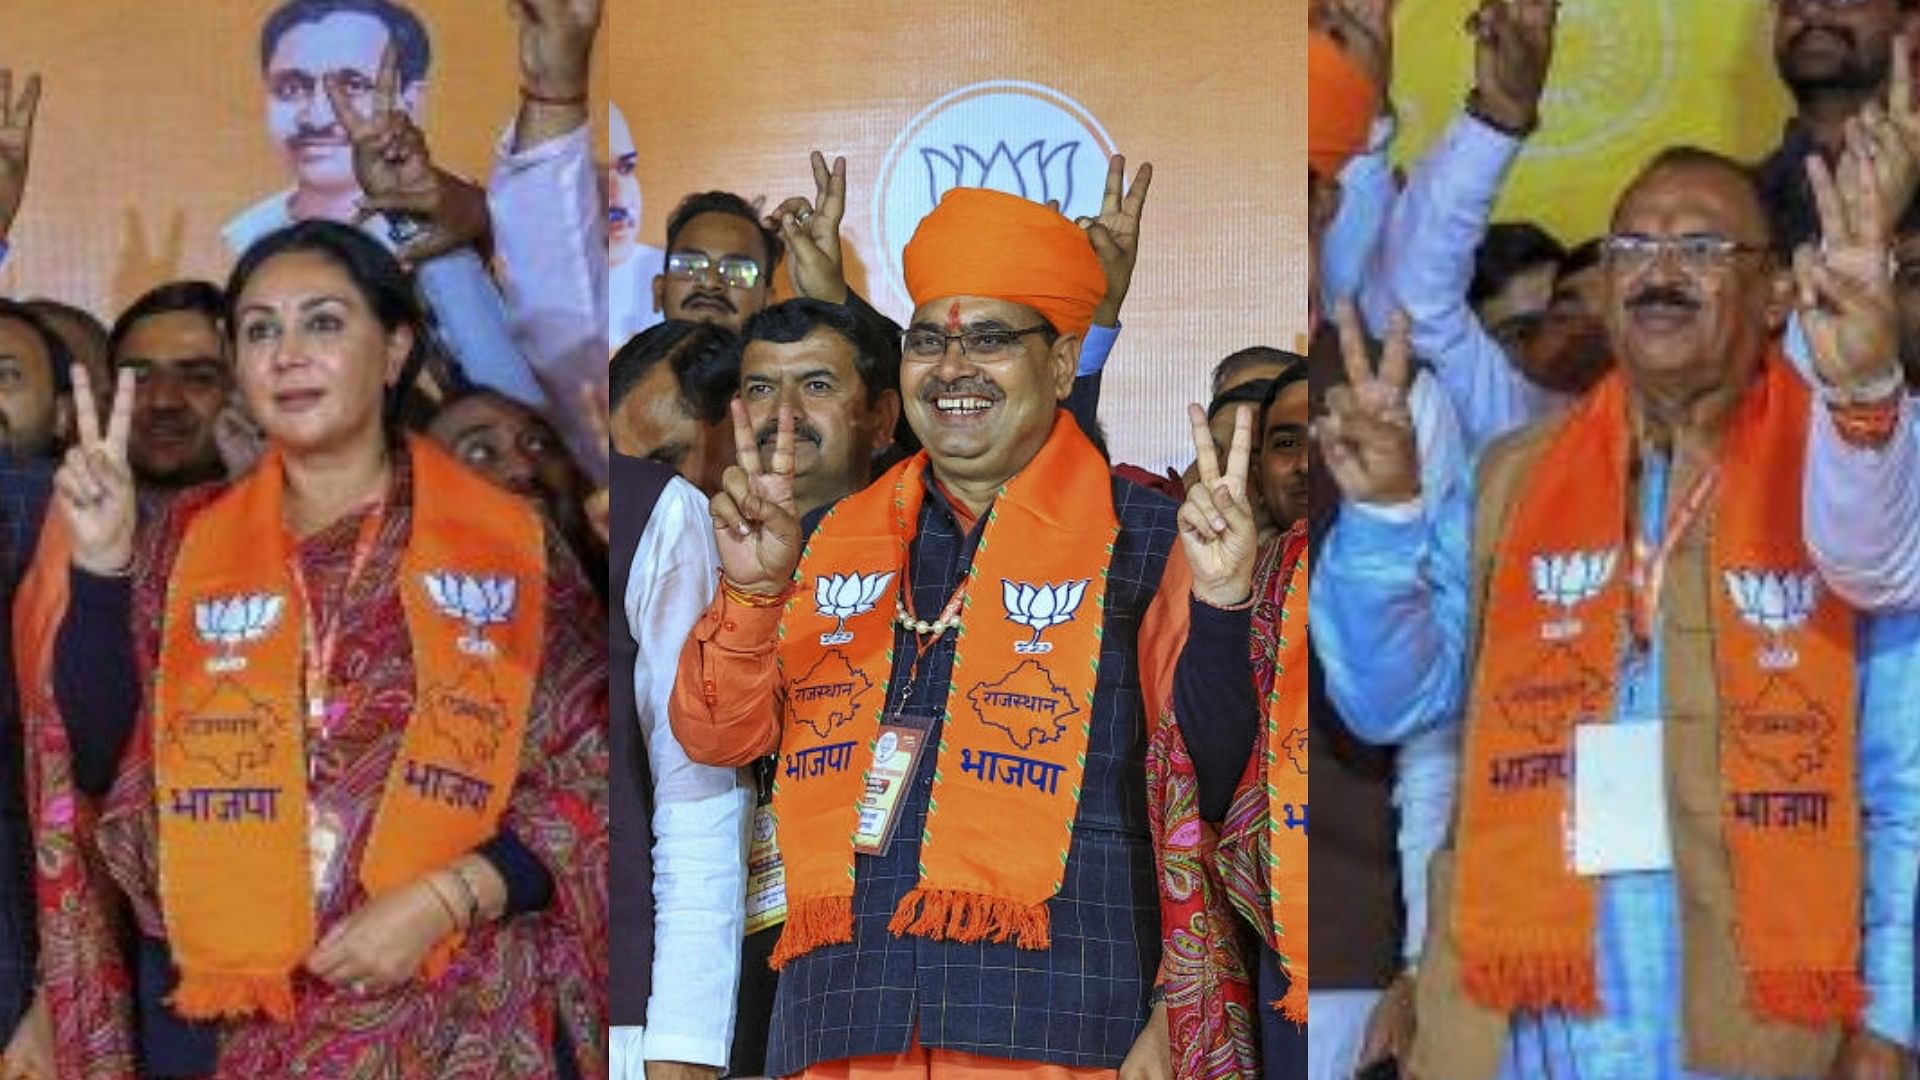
<point x="995" y="904"/>
<point x="720" y="261"/>
<point x="1688" y="833"/>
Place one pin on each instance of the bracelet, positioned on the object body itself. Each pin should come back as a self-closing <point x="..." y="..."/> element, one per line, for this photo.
<point x="1868" y="424"/>
<point x="552" y="99"/>
<point x="1244" y="605"/>
<point x="446" y="905"/>
<point x="1886" y="384"/>
<point x="1474" y="110"/>
<point x="473" y="895"/>
<point x="744" y="598"/>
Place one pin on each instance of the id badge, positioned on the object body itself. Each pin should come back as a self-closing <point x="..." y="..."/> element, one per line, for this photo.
<point x="766" y="875"/>
<point x="1620" y="800"/>
<point x="895" y="753"/>
<point x="325" y="842"/>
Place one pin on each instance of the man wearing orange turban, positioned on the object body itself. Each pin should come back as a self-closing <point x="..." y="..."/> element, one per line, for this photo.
<point x="991" y="909"/>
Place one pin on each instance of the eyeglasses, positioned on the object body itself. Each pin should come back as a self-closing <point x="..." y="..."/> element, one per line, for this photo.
<point x="1802" y="5"/>
<point x="1695" y="252"/>
<point x="931" y="344"/>
<point x="736" y="271"/>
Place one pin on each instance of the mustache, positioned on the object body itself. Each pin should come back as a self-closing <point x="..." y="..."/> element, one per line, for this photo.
<point x="972" y="385"/>
<point x="1844" y="33"/>
<point x="802" y="429"/>
<point x="327" y="133"/>
<point x="1662" y="295"/>
<point x="717" y="297"/>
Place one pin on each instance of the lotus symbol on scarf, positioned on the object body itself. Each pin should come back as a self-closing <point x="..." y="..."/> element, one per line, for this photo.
<point x="842" y="596"/>
<point x="479" y="600"/>
<point x="1777" y="602"/>
<point x="1567" y="581"/>
<point x="1041" y="607"/>
<point x="233" y="621"/>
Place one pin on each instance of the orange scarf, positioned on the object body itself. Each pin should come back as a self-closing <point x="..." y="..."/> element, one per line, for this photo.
<point x="229" y="731"/>
<point x="1549" y="658"/>
<point x="1285" y="767"/>
<point x="1019" y="708"/>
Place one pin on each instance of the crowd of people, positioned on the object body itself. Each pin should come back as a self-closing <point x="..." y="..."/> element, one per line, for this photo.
<point x="972" y="751"/>
<point x="1614" y="543"/>
<point x="305" y="702"/>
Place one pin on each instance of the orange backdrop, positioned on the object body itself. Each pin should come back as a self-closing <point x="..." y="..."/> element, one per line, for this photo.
<point x="152" y="132"/>
<point x="734" y="96"/>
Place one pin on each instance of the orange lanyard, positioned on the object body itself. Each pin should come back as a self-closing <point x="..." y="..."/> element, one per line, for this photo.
<point x="1649" y="573"/>
<point x="320" y="643"/>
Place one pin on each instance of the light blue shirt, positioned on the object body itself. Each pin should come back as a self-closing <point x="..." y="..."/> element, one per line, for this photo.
<point x="1095" y="346"/>
<point x="1390" y="618"/>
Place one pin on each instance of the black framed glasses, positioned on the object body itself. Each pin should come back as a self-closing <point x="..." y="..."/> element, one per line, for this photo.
<point x="991" y="341"/>
<point x="735" y="271"/>
<point x="1696" y="252"/>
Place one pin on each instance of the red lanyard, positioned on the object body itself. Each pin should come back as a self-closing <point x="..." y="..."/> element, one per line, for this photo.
<point x="320" y="643"/>
<point x="1649" y="572"/>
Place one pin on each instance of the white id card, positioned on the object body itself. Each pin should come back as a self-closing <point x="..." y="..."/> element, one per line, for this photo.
<point x="1620" y="799"/>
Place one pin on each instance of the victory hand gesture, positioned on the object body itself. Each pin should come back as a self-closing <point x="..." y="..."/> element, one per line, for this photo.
<point x="1115" y="234"/>
<point x="755" y="522"/>
<point x="556" y="46"/>
<point x="1216" y="524"/>
<point x="16" y="141"/>
<point x="95" y="484"/>
<point x="1889" y="138"/>
<point x="1514" y="50"/>
<point x="1844" y="284"/>
<point x="812" y="233"/>
<point x="1366" y="438"/>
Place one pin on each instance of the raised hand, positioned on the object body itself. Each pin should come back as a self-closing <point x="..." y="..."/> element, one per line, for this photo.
<point x="755" y="522"/>
<point x="94" y="484"/>
<point x="812" y="233"/>
<point x="1365" y="29"/>
<point x="1889" y="138"/>
<point x="1844" y="285"/>
<point x="1216" y="524"/>
<point x="1115" y="234"/>
<point x="16" y="143"/>
<point x="556" y="47"/>
<point x="1513" y="52"/>
<point x="1367" y="439"/>
<point x="397" y="175"/>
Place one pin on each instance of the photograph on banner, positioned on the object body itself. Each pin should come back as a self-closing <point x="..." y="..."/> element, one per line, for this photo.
<point x="303" y="534"/>
<point x="959" y="425"/>
<point x="1616" y="594"/>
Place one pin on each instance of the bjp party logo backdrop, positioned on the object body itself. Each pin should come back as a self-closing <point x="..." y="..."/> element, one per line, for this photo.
<point x="923" y="96"/>
<point x="1628" y="79"/>
<point x="1018" y="137"/>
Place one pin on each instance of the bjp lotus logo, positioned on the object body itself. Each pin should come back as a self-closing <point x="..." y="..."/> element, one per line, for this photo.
<point x="1776" y="602"/>
<point x="1018" y="137"/>
<point x="843" y="596"/>
<point x="1568" y="580"/>
<point x="233" y="621"/>
<point x="1041" y="607"/>
<point x="479" y="600"/>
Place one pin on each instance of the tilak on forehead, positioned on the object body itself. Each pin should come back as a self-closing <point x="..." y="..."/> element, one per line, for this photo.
<point x="991" y="244"/>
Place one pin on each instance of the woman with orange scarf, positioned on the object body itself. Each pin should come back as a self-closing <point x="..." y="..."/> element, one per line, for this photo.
<point x="360" y="817"/>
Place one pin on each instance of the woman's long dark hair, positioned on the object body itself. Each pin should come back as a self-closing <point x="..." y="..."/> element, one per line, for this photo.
<point x="380" y="279"/>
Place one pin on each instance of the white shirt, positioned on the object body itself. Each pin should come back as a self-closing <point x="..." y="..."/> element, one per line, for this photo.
<point x="699" y="812"/>
<point x="1426" y="266"/>
<point x="550" y="233"/>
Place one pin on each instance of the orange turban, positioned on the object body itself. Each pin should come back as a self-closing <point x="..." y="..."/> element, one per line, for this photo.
<point x="987" y="243"/>
<point x="1340" y="106"/>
